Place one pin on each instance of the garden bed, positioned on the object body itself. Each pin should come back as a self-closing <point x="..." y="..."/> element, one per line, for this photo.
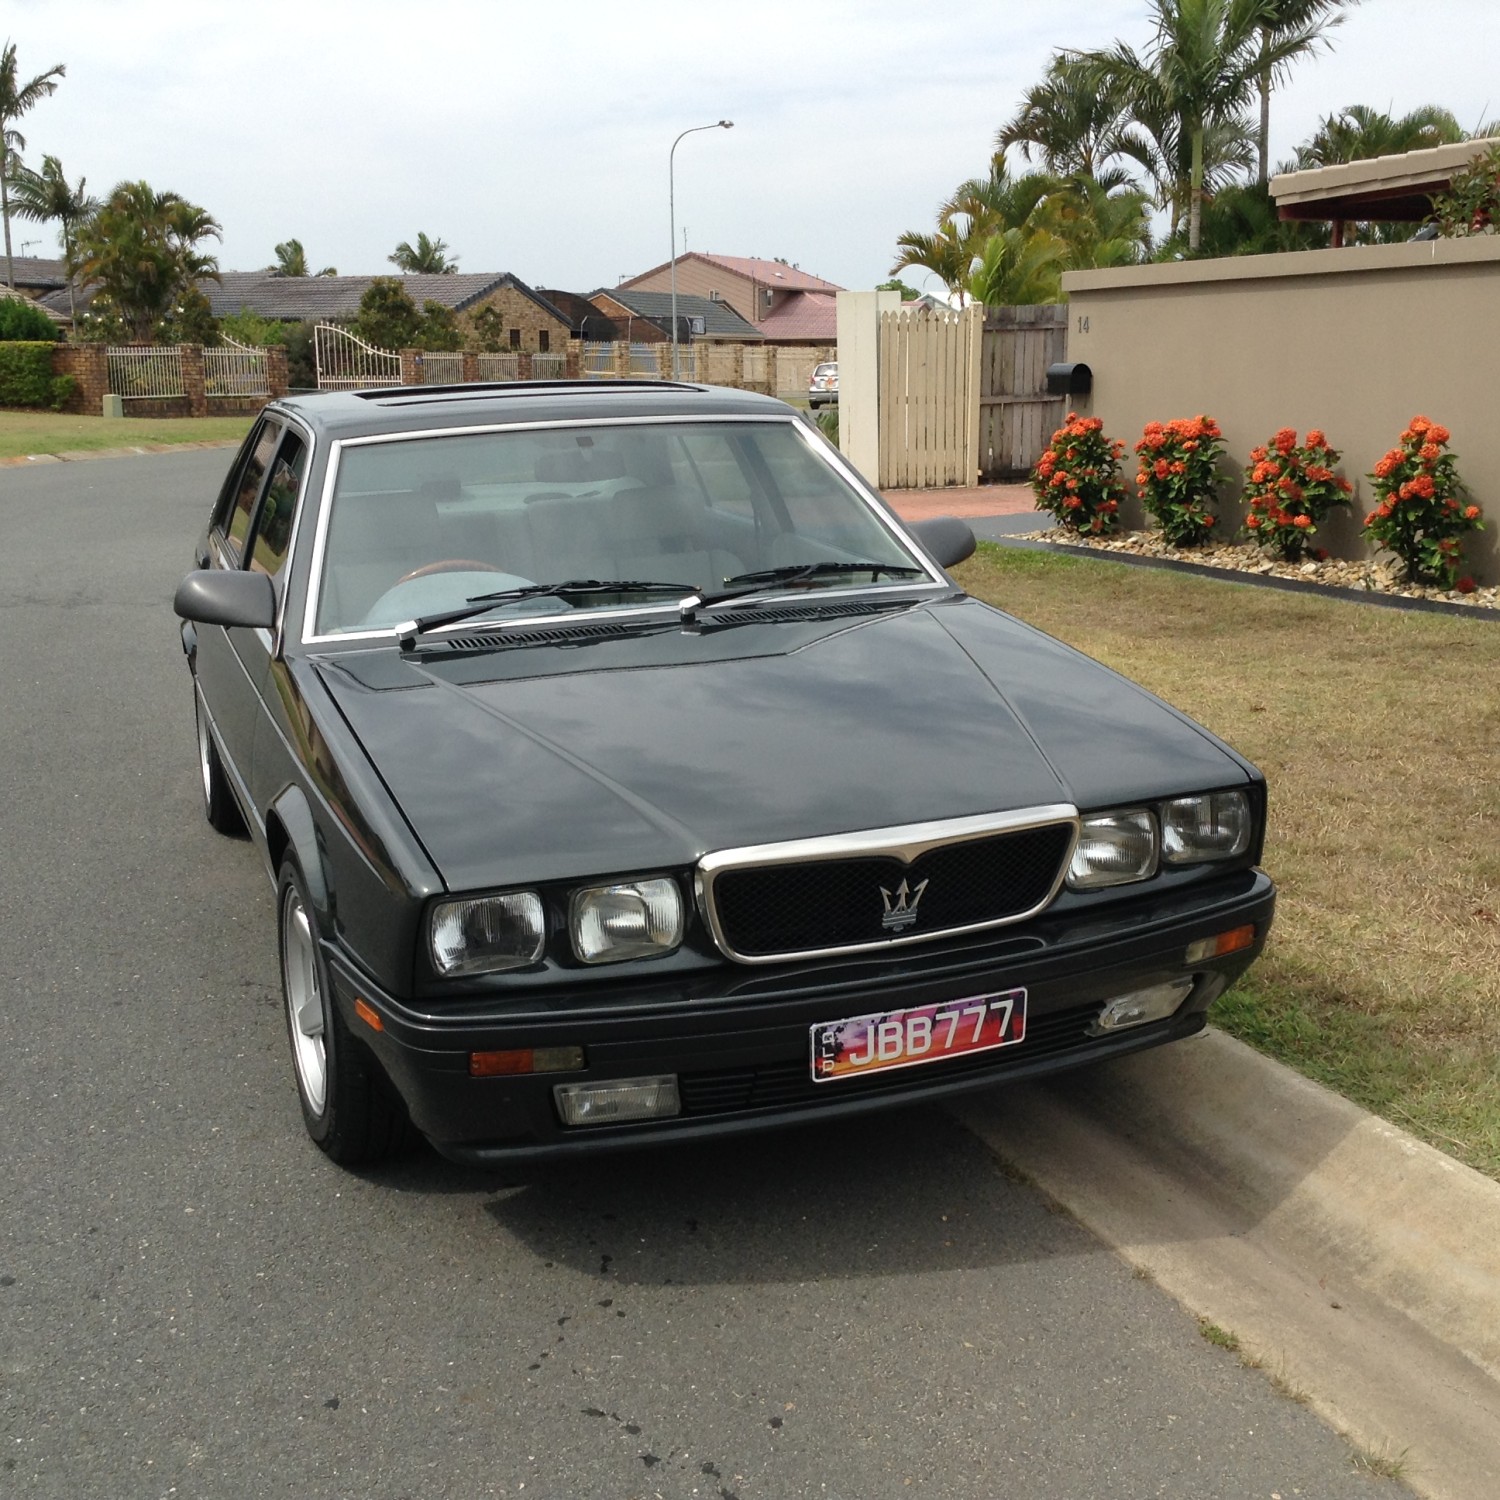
<point x="1380" y="576"/>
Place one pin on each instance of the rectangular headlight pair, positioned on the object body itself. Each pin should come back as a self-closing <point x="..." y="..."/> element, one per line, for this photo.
<point x="1117" y="848"/>
<point x="606" y="924"/>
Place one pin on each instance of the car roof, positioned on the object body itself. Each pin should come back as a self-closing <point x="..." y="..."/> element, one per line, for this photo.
<point x="387" y="409"/>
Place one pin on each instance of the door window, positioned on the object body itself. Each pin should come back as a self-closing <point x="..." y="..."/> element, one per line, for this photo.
<point x="273" y="524"/>
<point x="247" y="487"/>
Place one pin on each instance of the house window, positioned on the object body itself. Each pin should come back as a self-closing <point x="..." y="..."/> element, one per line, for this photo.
<point x="543" y="340"/>
<point x="515" y="338"/>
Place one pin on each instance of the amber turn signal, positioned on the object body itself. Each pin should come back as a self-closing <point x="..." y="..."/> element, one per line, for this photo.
<point x="366" y="1013"/>
<point x="1222" y="943"/>
<point x="525" y="1060"/>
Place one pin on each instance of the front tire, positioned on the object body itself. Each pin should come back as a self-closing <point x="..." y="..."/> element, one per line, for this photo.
<point x="219" y="807"/>
<point x="348" y="1106"/>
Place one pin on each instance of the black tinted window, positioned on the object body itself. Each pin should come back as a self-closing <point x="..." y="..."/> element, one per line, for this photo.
<point x="273" y="527"/>
<point x="251" y="475"/>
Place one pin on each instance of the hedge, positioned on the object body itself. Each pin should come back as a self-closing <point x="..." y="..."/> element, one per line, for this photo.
<point x="26" y="377"/>
<point x="20" y="319"/>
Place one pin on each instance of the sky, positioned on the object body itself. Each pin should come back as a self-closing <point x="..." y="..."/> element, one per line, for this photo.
<point x="536" y="138"/>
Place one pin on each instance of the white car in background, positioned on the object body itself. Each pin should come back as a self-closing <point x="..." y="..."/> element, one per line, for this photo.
<point x="823" y="386"/>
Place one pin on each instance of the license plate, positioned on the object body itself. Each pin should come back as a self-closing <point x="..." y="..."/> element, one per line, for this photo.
<point x="927" y="1033"/>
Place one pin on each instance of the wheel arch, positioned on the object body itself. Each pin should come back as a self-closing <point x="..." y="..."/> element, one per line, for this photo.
<point x="292" y="830"/>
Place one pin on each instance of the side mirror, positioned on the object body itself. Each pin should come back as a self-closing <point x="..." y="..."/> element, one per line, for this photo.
<point x="946" y="538"/>
<point x="220" y="596"/>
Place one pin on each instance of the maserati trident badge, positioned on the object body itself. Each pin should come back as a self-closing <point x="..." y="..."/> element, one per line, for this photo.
<point x="900" y="906"/>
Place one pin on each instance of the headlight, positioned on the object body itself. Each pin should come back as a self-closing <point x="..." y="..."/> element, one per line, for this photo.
<point x="639" y="919"/>
<point x="1114" y="849"/>
<point x="487" y="934"/>
<point x="1214" y="826"/>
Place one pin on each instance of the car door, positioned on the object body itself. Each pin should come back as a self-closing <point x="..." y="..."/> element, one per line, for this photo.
<point x="253" y="531"/>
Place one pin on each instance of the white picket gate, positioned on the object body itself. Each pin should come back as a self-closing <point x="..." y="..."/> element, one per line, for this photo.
<point x="929" y="398"/>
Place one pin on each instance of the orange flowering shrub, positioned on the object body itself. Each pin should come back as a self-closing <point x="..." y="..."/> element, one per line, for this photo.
<point x="1290" y="489"/>
<point x="1178" y="476"/>
<point x="1077" y="478"/>
<point x="1421" y="510"/>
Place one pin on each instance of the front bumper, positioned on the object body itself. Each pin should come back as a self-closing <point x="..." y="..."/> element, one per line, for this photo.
<point x="742" y="1059"/>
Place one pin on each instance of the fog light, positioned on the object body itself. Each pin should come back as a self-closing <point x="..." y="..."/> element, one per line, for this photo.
<point x="1140" y="1006"/>
<point x="1220" y="944"/>
<point x="617" y="1101"/>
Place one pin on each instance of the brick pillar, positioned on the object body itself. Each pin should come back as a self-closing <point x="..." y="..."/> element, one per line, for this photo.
<point x="193" y="388"/>
<point x="664" y="361"/>
<point x="573" y="357"/>
<point x="471" y="367"/>
<point x="737" y="374"/>
<point x="411" y="367"/>
<point x="88" y="364"/>
<point x="277" y="379"/>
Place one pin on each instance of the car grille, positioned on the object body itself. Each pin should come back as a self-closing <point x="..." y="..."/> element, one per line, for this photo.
<point x="850" y="902"/>
<point x="787" y="1084"/>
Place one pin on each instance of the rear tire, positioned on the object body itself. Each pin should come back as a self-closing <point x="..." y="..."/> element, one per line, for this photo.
<point x="219" y="807"/>
<point x="348" y="1105"/>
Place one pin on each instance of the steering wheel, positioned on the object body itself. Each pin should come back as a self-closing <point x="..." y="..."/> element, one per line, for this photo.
<point x="448" y="565"/>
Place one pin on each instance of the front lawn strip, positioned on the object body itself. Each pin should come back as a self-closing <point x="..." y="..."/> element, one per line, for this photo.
<point x="1378" y="732"/>
<point x="27" y="432"/>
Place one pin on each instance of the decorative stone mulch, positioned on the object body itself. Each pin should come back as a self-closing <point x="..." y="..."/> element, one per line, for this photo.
<point x="1381" y="576"/>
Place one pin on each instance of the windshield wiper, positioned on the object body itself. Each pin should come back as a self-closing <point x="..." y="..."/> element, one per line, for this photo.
<point x="477" y="604"/>
<point x="753" y="583"/>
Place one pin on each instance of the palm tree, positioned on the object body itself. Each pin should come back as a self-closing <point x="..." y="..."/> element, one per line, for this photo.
<point x="429" y="257"/>
<point x="1019" y="267"/>
<point x="16" y="99"/>
<point x="1283" y="17"/>
<point x="948" y="254"/>
<point x="141" y="250"/>
<point x="47" y="195"/>
<point x="1191" y="89"/>
<point x="1360" y="133"/>
<point x="291" y="260"/>
<point x="1074" y="127"/>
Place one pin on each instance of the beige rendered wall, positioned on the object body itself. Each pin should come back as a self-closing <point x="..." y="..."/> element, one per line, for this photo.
<point x="1355" y="341"/>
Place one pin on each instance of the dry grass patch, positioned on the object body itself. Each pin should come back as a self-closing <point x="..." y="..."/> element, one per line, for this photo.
<point x="24" y="432"/>
<point x="1379" y="733"/>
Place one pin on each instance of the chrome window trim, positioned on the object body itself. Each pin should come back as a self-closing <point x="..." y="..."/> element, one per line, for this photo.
<point x="905" y="842"/>
<point x="820" y="450"/>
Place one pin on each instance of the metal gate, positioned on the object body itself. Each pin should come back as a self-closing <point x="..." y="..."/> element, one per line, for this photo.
<point x="140" y="372"/>
<point x="929" y="398"/>
<point x="346" y="362"/>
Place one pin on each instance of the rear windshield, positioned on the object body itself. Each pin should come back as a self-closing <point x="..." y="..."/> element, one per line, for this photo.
<point x="418" y="525"/>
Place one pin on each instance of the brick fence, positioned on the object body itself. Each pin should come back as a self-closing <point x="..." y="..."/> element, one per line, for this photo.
<point x="88" y="364"/>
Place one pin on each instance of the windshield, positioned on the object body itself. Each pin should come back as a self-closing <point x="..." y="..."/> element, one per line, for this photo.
<point x="417" y="526"/>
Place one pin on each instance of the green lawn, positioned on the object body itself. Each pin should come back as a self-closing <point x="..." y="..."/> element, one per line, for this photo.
<point x="24" y="432"/>
<point x="1379" y="733"/>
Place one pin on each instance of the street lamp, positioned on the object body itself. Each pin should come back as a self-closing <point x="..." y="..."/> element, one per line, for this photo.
<point x="672" y="217"/>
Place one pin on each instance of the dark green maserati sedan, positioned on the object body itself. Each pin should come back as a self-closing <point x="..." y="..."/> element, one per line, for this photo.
<point x="628" y="772"/>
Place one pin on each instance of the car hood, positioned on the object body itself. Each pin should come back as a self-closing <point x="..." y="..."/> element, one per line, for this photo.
<point x="646" y="748"/>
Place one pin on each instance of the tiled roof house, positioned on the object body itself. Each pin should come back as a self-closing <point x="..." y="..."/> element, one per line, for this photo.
<point x="787" y="305"/>
<point x="528" y="320"/>
<point x="642" y="316"/>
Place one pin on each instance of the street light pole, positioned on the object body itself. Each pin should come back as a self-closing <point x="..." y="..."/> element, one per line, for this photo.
<point x="672" y="217"/>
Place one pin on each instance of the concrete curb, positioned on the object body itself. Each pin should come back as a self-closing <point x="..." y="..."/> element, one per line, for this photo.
<point x="1355" y="1262"/>
<point x="1255" y="580"/>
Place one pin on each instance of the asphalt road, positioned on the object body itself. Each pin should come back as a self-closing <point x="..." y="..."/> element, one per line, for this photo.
<point x="193" y="1302"/>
